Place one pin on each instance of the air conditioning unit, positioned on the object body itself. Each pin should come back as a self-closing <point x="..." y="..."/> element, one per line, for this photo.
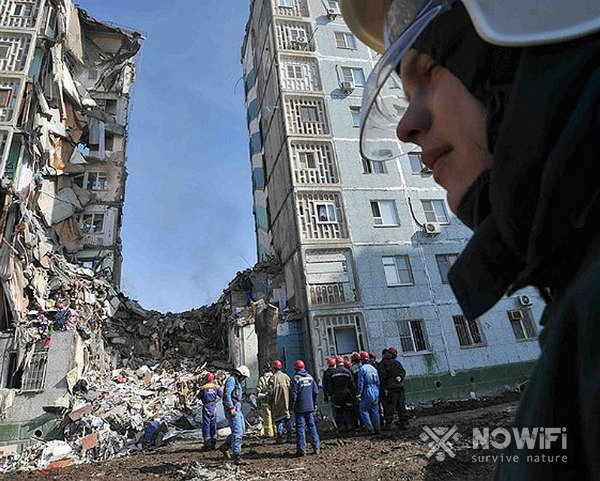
<point x="432" y="228"/>
<point x="524" y="300"/>
<point x="332" y="14"/>
<point x="347" y="87"/>
<point x="515" y="315"/>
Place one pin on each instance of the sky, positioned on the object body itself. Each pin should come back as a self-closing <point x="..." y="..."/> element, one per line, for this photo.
<point x="187" y="222"/>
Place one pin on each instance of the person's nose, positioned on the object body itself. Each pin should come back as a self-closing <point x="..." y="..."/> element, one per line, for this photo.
<point x="415" y="122"/>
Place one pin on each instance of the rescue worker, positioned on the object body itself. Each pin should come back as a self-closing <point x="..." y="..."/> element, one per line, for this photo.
<point x="342" y="392"/>
<point x="280" y="402"/>
<point x="327" y="376"/>
<point x="264" y="398"/>
<point x="209" y="394"/>
<point x="518" y="159"/>
<point x="304" y="392"/>
<point x="347" y="364"/>
<point x="232" y="403"/>
<point x="354" y="368"/>
<point x="391" y="378"/>
<point x="368" y="391"/>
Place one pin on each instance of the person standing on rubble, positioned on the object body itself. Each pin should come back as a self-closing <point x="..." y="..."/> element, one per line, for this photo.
<point x="232" y="403"/>
<point x="391" y="375"/>
<point x="280" y="401"/>
<point x="368" y="392"/>
<point x="264" y="397"/>
<point x="210" y="392"/>
<point x="304" y="392"/>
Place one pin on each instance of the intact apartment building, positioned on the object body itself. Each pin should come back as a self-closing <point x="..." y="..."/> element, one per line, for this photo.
<point x="365" y="246"/>
<point x="65" y="81"/>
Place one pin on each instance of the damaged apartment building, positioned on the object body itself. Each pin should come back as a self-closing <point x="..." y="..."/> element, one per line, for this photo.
<point x="65" y="83"/>
<point x="365" y="246"/>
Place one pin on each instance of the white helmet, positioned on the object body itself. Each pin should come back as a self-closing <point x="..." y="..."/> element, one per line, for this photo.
<point x="391" y="26"/>
<point x="242" y="371"/>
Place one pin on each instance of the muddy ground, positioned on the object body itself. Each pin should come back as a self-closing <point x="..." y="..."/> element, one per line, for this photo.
<point x="391" y="456"/>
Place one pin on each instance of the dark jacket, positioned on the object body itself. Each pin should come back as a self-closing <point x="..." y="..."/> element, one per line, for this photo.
<point x="391" y="373"/>
<point x="303" y="393"/>
<point x="326" y="382"/>
<point x="341" y="386"/>
<point x="354" y="370"/>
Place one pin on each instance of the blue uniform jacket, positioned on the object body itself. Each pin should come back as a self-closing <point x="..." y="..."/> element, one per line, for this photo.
<point x="209" y="393"/>
<point x="303" y="392"/>
<point x="368" y="382"/>
<point x="232" y="394"/>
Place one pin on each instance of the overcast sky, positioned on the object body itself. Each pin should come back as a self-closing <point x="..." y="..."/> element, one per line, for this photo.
<point x="187" y="225"/>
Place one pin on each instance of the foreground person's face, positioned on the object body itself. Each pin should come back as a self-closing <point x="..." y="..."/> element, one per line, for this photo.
<point x="446" y="121"/>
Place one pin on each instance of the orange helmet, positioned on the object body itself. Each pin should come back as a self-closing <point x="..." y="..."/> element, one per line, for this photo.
<point x="364" y="356"/>
<point x="277" y="364"/>
<point x="299" y="364"/>
<point x="330" y="361"/>
<point x="210" y="377"/>
<point x="393" y="351"/>
<point x="355" y="356"/>
<point x="339" y="360"/>
<point x="347" y="364"/>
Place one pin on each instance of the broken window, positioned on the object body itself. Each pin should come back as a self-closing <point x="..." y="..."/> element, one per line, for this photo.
<point x="346" y="340"/>
<point x="13" y="375"/>
<point x="34" y="375"/>
<point x="109" y="142"/>
<point x="96" y="181"/>
<point x="92" y="223"/>
<point x="468" y="331"/>
<point x="412" y="336"/>
<point x="5" y="95"/>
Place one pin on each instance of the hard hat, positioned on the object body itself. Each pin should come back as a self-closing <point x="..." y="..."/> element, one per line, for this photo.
<point x="243" y="371"/>
<point x="339" y="360"/>
<point x="277" y="364"/>
<point x="210" y="377"/>
<point x="372" y="355"/>
<point x="355" y="356"/>
<point x="299" y="364"/>
<point x="347" y="364"/>
<point x="392" y="350"/>
<point x="330" y="361"/>
<point x="364" y="356"/>
<point x="391" y="27"/>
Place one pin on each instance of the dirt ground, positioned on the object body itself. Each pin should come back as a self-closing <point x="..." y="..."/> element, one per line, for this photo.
<point x="391" y="456"/>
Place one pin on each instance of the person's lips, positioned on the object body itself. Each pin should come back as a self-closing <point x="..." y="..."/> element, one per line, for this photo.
<point x="430" y="157"/>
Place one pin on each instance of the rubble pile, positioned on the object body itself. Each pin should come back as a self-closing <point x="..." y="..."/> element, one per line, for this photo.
<point x="139" y="337"/>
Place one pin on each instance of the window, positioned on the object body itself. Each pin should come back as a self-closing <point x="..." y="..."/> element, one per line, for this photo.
<point x="397" y="271"/>
<point x="97" y="181"/>
<point x="444" y="262"/>
<point x="334" y="5"/>
<point x="384" y="212"/>
<point x="295" y="71"/>
<point x="92" y="75"/>
<point x="412" y="336"/>
<point x="416" y="166"/>
<point x="468" y="332"/>
<point x="297" y="33"/>
<point x="355" y="112"/>
<point x="5" y="95"/>
<point x="326" y="213"/>
<point x="309" y="114"/>
<point x="22" y="10"/>
<point x="35" y="375"/>
<point x="522" y="325"/>
<point x="373" y="167"/>
<point x="307" y="160"/>
<point x="435" y="211"/>
<point x="4" y="50"/>
<point x="286" y="3"/>
<point x="92" y="223"/>
<point x="345" y="340"/>
<point x="345" y="40"/>
<point x="355" y="75"/>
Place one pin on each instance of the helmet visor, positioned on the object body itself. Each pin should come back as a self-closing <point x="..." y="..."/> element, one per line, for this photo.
<point x="384" y="103"/>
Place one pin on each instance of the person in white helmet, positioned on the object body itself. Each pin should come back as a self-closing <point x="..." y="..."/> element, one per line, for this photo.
<point x="232" y="403"/>
<point x="503" y="97"/>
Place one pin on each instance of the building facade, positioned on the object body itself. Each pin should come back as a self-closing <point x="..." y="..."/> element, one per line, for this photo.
<point x="365" y="246"/>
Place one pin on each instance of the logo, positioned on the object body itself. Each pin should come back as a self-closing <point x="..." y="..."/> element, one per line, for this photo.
<point x="440" y="441"/>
